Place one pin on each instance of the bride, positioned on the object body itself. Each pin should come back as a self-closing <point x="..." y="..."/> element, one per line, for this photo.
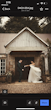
<point x="34" y="73"/>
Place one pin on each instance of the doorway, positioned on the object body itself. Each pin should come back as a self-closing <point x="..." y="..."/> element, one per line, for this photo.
<point x="26" y="61"/>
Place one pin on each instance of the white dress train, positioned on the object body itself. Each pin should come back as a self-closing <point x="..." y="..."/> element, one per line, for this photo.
<point x="34" y="74"/>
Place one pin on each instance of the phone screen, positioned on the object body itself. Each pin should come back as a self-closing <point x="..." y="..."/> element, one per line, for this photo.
<point x="25" y="55"/>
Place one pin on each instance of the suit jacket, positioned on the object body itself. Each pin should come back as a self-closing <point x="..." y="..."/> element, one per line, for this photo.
<point x="19" y="65"/>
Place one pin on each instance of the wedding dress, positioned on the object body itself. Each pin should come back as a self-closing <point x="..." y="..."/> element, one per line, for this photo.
<point x="34" y="74"/>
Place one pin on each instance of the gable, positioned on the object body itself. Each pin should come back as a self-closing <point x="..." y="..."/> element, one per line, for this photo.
<point x="26" y="28"/>
<point x="26" y="41"/>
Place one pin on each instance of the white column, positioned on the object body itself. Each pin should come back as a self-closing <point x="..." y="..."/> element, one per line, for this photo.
<point x="46" y="63"/>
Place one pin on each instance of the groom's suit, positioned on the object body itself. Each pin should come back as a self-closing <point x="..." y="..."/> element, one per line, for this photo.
<point x="20" y="67"/>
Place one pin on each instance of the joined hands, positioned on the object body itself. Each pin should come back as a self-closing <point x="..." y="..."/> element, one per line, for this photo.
<point x="26" y="65"/>
<point x="22" y="69"/>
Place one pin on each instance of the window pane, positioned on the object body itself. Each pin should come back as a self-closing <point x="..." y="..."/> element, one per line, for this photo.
<point x="3" y="64"/>
<point x="3" y="67"/>
<point x="3" y="71"/>
<point x="3" y="60"/>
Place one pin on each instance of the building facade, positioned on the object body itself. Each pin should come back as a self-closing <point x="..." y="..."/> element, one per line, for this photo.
<point x="26" y="45"/>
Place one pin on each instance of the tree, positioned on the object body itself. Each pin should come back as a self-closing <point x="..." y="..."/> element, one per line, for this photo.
<point x="2" y="30"/>
<point x="47" y="28"/>
<point x="45" y="24"/>
<point x="48" y="41"/>
<point x="17" y="23"/>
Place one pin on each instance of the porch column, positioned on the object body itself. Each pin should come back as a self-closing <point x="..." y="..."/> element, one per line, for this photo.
<point x="46" y="63"/>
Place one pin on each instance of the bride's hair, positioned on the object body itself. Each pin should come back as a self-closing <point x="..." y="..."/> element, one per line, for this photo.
<point x="32" y="61"/>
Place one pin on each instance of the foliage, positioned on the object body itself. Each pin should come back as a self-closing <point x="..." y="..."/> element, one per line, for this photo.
<point x="2" y="30"/>
<point x="8" y="74"/>
<point x="45" y="28"/>
<point x="48" y="41"/>
<point x="17" y="23"/>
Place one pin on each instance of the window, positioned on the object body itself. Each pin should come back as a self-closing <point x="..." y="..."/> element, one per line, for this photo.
<point x="2" y="66"/>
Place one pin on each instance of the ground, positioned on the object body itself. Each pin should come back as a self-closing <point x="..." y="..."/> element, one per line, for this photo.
<point x="25" y="87"/>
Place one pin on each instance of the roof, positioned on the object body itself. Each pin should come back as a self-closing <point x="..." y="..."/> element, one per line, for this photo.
<point x="7" y="37"/>
<point x="26" y="28"/>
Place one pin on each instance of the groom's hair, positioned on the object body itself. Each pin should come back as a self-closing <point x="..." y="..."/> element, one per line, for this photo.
<point x="20" y="59"/>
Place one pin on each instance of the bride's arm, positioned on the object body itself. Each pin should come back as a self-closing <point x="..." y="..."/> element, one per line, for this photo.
<point x="29" y="65"/>
<point x="26" y="65"/>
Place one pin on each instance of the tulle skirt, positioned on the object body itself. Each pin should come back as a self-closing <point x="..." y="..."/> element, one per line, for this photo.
<point x="34" y="74"/>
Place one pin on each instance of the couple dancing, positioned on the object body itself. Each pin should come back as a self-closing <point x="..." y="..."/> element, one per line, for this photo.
<point x="34" y="73"/>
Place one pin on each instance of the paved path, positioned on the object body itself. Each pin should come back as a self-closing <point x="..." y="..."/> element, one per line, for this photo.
<point x="25" y="87"/>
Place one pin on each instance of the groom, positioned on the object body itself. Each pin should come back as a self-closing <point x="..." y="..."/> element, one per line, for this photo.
<point x="20" y="69"/>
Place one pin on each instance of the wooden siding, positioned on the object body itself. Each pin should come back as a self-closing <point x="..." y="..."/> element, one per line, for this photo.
<point x="26" y="41"/>
<point x="6" y="37"/>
